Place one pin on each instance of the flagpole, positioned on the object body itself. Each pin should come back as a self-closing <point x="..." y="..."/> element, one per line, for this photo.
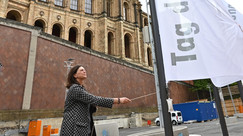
<point x="161" y="73"/>
<point x="151" y="40"/>
<point x="220" y="111"/>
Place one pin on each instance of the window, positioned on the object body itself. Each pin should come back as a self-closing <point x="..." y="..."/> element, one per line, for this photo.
<point x="149" y="57"/>
<point x="74" y="4"/>
<point x="88" y="6"/>
<point x="41" y="24"/>
<point x="59" y="2"/>
<point x="145" y="22"/>
<point x="125" y="11"/>
<point x="127" y="46"/>
<point x="14" y="15"/>
<point x="110" y="43"/>
<point x="56" y="30"/>
<point x="173" y="114"/>
<point x="73" y="34"/>
<point x="88" y="39"/>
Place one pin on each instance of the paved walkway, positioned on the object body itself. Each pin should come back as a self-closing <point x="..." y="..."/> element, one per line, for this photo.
<point x="209" y="128"/>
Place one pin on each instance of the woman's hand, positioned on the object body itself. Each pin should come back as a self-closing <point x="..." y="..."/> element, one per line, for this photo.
<point x="124" y="100"/>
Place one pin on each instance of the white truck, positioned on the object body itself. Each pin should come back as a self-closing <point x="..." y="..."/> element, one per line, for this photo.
<point x="176" y="118"/>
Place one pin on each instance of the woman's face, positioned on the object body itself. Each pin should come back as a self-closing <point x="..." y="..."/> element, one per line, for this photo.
<point x="80" y="74"/>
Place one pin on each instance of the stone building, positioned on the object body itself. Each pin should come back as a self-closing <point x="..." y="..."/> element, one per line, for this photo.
<point x="112" y="27"/>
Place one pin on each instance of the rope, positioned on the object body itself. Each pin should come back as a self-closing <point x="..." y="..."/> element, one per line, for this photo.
<point x="143" y="96"/>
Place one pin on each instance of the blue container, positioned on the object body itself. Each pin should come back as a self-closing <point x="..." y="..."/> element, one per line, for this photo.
<point x="200" y="111"/>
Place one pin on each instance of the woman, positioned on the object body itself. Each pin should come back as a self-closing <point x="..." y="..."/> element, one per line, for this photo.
<point x="79" y="105"/>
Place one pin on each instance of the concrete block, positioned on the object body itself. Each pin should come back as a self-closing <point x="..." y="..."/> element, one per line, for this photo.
<point x="177" y="130"/>
<point x="110" y="129"/>
<point x="239" y="115"/>
<point x="122" y="123"/>
<point x="230" y="120"/>
<point x="190" y="121"/>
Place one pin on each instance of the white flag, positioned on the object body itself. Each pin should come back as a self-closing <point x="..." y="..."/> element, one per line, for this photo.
<point x="236" y="15"/>
<point x="200" y="40"/>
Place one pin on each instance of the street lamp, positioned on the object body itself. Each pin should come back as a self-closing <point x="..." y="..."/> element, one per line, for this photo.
<point x="209" y="92"/>
<point x="68" y="65"/>
<point x="1" y="66"/>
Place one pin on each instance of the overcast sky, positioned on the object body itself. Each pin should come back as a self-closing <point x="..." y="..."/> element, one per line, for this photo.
<point x="238" y="4"/>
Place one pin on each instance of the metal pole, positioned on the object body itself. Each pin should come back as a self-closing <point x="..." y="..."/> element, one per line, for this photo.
<point x="66" y="90"/>
<point x="161" y="72"/>
<point x="222" y="100"/>
<point x="1" y="65"/>
<point x="210" y="93"/>
<point x="239" y="83"/>
<point x="68" y="63"/>
<point x="155" y="69"/>
<point x="232" y="99"/>
<point x="220" y="112"/>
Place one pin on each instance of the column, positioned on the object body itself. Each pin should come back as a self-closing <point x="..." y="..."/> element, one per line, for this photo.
<point x="3" y="7"/>
<point x="135" y="14"/>
<point x="120" y="41"/>
<point x="31" y="13"/>
<point x="65" y="32"/>
<point x="49" y="25"/>
<point x="139" y="57"/>
<point x="105" y="36"/>
<point x="30" y="70"/>
<point x="104" y="7"/>
<point x="141" y="19"/>
<point x="120" y="10"/>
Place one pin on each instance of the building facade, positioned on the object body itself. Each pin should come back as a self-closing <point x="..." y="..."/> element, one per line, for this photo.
<point x="112" y="27"/>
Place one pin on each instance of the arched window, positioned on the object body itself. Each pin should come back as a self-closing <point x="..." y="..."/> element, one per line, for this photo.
<point x="149" y="53"/>
<point x="74" y="4"/>
<point x="73" y="34"/>
<point x="108" y="6"/>
<point x="14" y="15"/>
<point x="40" y="23"/>
<point x="58" y="3"/>
<point x="88" y="6"/>
<point x="56" y="30"/>
<point x="110" y="43"/>
<point x="127" y="46"/>
<point x="125" y="11"/>
<point x="88" y="39"/>
<point x="145" y="22"/>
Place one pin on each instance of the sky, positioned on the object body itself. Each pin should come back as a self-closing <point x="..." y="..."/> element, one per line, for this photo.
<point x="238" y="4"/>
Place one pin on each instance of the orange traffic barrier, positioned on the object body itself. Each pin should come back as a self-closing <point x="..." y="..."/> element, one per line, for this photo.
<point x="54" y="131"/>
<point x="149" y="122"/>
<point x="241" y="109"/>
<point x="47" y="130"/>
<point x="34" y="128"/>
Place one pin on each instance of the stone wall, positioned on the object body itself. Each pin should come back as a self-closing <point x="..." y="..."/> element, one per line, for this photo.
<point x="179" y="92"/>
<point x="34" y="74"/>
<point x="33" y="78"/>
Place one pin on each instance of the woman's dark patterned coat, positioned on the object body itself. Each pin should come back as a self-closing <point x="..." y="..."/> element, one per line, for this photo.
<point x="76" y="111"/>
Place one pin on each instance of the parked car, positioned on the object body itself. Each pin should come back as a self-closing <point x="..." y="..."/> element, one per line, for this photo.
<point x="176" y="118"/>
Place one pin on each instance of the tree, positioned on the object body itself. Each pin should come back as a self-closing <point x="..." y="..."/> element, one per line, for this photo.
<point x="201" y="86"/>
